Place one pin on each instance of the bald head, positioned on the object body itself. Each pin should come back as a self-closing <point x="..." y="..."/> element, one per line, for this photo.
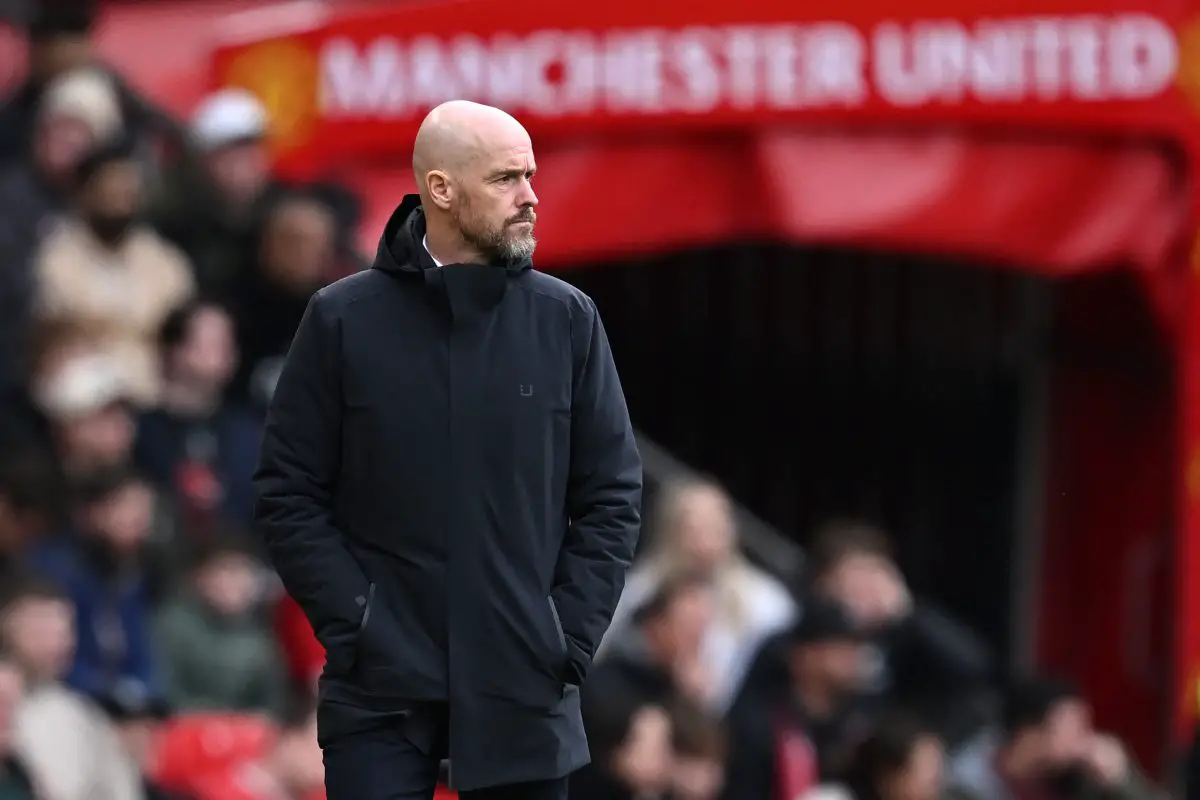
<point x="458" y="133"/>
<point x="474" y="165"/>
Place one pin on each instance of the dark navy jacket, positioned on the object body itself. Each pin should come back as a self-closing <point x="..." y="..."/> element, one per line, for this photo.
<point x="450" y="488"/>
<point x="112" y="608"/>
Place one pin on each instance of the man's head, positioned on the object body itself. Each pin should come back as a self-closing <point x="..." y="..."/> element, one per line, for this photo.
<point x="1047" y="732"/>
<point x="474" y="166"/>
<point x="110" y="182"/>
<point x="59" y="38"/>
<point x="76" y="111"/>
<point x="199" y="348"/>
<point x="693" y="521"/>
<point x="298" y="244"/>
<point x="116" y="510"/>
<point x="675" y="618"/>
<point x="828" y="649"/>
<point x="852" y="564"/>
<point x="226" y="573"/>
<point x="84" y="398"/>
<point x="230" y="129"/>
<point x="37" y="626"/>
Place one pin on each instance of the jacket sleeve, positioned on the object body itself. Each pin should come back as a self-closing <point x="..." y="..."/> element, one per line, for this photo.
<point x="933" y="641"/>
<point x="604" y="497"/>
<point x="295" y="484"/>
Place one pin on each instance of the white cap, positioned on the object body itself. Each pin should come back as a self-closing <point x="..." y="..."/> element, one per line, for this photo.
<point x="83" y="385"/>
<point x="228" y="116"/>
<point x="88" y="95"/>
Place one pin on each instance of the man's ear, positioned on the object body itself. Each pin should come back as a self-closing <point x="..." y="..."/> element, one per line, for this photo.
<point x="439" y="188"/>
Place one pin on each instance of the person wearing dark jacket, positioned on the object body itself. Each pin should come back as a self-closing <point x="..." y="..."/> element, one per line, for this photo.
<point x="926" y="660"/>
<point x="59" y="42"/>
<point x="796" y="724"/>
<point x="450" y="487"/>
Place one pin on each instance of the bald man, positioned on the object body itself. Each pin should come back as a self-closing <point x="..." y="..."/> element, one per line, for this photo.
<point x="449" y="487"/>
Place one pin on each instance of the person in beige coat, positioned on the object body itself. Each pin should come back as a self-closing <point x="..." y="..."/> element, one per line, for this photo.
<point x="66" y="742"/>
<point x="104" y="270"/>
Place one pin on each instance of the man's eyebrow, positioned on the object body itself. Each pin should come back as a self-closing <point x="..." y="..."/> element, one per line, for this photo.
<point x="507" y="171"/>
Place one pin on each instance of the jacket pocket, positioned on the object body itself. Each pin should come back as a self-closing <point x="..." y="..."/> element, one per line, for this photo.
<point x="366" y="617"/>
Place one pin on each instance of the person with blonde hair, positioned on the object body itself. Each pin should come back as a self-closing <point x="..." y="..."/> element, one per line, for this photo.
<point x="694" y="529"/>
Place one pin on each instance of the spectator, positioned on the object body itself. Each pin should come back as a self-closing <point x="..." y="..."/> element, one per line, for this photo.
<point x="92" y="429"/>
<point x="76" y="112"/>
<point x="60" y="42"/>
<point x="295" y="256"/>
<point x="661" y="661"/>
<point x="796" y="725"/>
<point x="694" y="529"/>
<point x="216" y="651"/>
<point x="197" y="442"/>
<point x="631" y="754"/>
<point x="291" y="769"/>
<point x="106" y="271"/>
<point x="100" y="566"/>
<point x="91" y="423"/>
<point x="71" y="751"/>
<point x="137" y="718"/>
<point x="28" y="498"/>
<point x="1047" y="748"/>
<point x="924" y="659"/>
<point x="211" y="209"/>
<point x="15" y="782"/>
<point x="901" y="760"/>
<point x="698" y="771"/>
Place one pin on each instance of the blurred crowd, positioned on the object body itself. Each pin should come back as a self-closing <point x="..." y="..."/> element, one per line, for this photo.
<point x="153" y="272"/>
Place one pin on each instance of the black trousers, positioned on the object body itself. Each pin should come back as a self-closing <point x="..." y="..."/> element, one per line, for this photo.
<point x="391" y="758"/>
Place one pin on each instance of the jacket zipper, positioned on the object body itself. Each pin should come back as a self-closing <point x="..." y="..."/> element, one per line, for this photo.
<point x="558" y="628"/>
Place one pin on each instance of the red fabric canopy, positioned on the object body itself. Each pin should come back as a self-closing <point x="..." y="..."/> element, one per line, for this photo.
<point x="1061" y="208"/>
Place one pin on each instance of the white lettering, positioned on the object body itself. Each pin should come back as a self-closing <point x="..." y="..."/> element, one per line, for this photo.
<point x="358" y="84"/>
<point x="1143" y="57"/>
<point x="700" y="70"/>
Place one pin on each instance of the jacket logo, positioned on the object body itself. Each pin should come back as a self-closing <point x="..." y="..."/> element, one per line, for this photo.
<point x="526" y="390"/>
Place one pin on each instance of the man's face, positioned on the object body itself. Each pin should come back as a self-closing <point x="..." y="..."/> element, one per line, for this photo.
<point x="207" y="356"/>
<point x="679" y="632"/>
<point x="838" y="664"/>
<point x="123" y="520"/>
<point x="239" y="172"/>
<point x="12" y="687"/>
<point x="229" y="584"/>
<point x="115" y="190"/>
<point x="298" y="248"/>
<point x="99" y="438"/>
<point x="704" y="531"/>
<point x="1067" y="732"/>
<point x="493" y="205"/>
<point x="40" y="631"/>
<point x="61" y="143"/>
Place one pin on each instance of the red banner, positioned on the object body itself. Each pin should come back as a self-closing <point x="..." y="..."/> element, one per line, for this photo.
<point x="362" y="83"/>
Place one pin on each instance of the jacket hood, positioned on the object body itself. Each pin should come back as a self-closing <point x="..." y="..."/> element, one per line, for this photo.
<point x="402" y="248"/>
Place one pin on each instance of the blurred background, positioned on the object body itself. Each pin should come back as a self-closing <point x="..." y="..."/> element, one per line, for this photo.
<point x="906" y="305"/>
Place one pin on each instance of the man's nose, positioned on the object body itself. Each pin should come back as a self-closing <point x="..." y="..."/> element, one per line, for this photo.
<point x="528" y="196"/>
